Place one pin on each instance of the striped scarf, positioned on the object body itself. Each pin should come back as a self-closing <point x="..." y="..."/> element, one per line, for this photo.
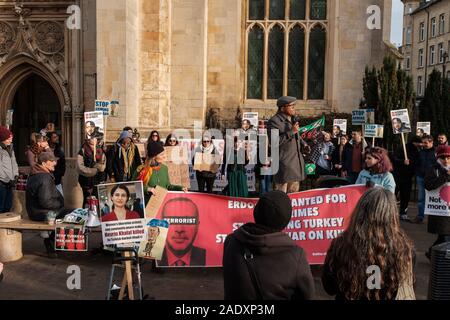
<point x="128" y="157"/>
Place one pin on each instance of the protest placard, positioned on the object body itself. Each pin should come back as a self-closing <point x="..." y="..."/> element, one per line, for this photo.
<point x="177" y="161"/>
<point x="72" y="238"/>
<point x="155" y="202"/>
<point x="374" y="131"/>
<point x="252" y="117"/>
<point x="400" y="121"/>
<point x="94" y="125"/>
<point x="370" y="116"/>
<point x="153" y="247"/>
<point x="359" y="117"/>
<point x="423" y="128"/>
<point x="122" y="208"/>
<point x="114" y="106"/>
<point x="103" y="106"/>
<point x="339" y="128"/>
<point x="437" y="202"/>
<point x="207" y="162"/>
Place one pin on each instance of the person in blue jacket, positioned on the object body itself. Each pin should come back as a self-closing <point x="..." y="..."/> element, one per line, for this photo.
<point x="377" y="170"/>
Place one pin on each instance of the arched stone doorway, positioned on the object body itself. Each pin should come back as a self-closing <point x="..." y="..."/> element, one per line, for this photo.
<point x="36" y="98"/>
<point x="35" y="104"/>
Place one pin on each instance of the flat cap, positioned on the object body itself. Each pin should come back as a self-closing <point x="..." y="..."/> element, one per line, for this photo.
<point x="283" y="101"/>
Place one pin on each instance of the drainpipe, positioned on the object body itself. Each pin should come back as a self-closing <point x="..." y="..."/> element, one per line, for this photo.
<point x="426" y="49"/>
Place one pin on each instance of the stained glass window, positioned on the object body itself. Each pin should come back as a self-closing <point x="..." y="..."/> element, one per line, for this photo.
<point x="298" y="9"/>
<point x="276" y="63"/>
<point x="318" y="10"/>
<point x="296" y="62"/>
<point x="316" y="73"/>
<point x="255" y="63"/>
<point x="256" y="9"/>
<point x="276" y="10"/>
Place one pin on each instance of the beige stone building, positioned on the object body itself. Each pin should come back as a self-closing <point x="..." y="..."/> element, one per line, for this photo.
<point x="426" y="40"/>
<point x="170" y="61"/>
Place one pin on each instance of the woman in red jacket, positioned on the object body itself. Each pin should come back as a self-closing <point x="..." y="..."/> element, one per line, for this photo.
<point x="120" y="195"/>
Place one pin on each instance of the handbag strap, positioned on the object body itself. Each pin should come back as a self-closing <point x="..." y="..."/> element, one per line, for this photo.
<point x="249" y="259"/>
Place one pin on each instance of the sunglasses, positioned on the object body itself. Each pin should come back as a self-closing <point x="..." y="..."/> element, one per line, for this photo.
<point x="206" y="141"/>
<point x="173" y="140"/>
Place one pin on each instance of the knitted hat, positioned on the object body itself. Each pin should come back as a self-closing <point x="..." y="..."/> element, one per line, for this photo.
<point x="443" y="151"/>
<point x="124" y="135"/>
<point x="274" y="210"/>
<point x="154" y="148"/>
<point x="5" y="134"/>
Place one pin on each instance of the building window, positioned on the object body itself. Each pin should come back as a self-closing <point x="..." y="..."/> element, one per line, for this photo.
<point x="408" y="35"/>
<point x="420" y="57"/>
<point x="442" y="24"/>
<point x="419" y="86"/>
<point x="408" y="63"/>
<point x="441" y="52"/>
<point x="432" y="55"/>
<point x="433" y="27"/>
<point x="422" y="31"/>
<point x="286" y="49"/>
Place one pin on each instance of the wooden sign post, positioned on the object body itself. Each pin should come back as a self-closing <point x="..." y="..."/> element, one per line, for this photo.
<point x="404" y="146"/>
<point x="127" y="279"/>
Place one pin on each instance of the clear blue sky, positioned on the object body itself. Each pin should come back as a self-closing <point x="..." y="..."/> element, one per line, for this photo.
<point x="397" y="22"/>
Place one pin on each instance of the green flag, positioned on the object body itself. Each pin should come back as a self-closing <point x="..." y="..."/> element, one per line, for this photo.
<point x="315" y="125"/>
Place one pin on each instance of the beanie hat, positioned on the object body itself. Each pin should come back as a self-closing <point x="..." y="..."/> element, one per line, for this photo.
<point x="274" y="210"/>
<point x="443" y="151"/>
<point x="5" y="134"/>
<point x="124" y="135"/>
<point x="154" y="148"/>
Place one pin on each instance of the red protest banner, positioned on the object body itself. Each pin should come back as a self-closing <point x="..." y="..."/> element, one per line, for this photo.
<point x="200" y="223"/>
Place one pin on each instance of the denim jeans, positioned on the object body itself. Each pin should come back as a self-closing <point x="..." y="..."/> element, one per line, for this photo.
<point x="265" y="185"/>
<point x="421" y="197"/>
<point x="6" y="197"/>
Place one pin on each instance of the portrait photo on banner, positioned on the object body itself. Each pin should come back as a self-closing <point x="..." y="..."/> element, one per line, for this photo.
<point x="121" y="201"/>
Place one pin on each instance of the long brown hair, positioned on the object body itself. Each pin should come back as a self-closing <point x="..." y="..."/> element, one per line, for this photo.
<point x="374" y="237"/>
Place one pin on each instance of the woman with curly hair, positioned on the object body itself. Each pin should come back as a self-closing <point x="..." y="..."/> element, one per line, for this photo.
<point x="373" y="238"/>
<point x="377" y="170"/>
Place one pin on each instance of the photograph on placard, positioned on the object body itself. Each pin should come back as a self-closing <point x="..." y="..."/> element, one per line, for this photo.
<point x="94" y="125"/>
<point x="423" y="128"/>
<point x="339" y="128"/>
<point x="400" y="121"/>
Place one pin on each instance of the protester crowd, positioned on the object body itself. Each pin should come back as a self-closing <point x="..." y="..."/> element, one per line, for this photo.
<point x="260" y="261"/>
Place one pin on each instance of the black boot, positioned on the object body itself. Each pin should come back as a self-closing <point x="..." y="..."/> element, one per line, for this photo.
<point x="50" y="247"/>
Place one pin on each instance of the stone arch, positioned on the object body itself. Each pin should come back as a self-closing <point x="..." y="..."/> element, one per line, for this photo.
<point x="16" y="71"/>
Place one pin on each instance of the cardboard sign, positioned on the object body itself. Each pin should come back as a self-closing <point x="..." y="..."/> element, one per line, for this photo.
<point x="423" y="128"/>
<point x="400" y="121"/>
<point x="103" y="106"/>
<point x="155" y="202"/>
<point x="153" y="248"/>
<point x="373" y="131"/>
<point x="437" y="202"/>
<point x="207" y="162"/>
<point x="71" y="238"/>
<point x="178" y="165"/>
<point x="339" y="128"/>
<point x="359" y="117"/>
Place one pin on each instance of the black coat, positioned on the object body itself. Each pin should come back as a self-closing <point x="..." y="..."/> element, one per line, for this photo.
<point x="115" y="165"/>
<point x="435" y="178"/>
<point x="426" y="160"/>
<point x="401" y="170"/>
<point x="42" y="196"/>
<point x="280" y="265"/>
<point x="60" y="168"/>
<point x="347" y="156"/>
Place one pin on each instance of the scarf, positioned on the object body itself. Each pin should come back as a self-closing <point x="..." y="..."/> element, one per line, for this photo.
<point x="89" y="153"/>
<point x="36" y="149"/>
<point x="446" y="168"/>
<point x="208" y="150"/>
<point x="128" y="157"/>
<point x="145" y="172"/>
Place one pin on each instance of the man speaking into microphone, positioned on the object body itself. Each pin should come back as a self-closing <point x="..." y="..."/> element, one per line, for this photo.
<point x="292" y="165"/>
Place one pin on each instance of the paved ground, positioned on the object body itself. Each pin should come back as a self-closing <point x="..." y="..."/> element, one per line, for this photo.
<point x="37" y="277"/>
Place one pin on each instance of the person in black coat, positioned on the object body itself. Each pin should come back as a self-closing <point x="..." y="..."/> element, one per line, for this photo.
<point x="436" y="177"/>
<point x="60" y="168"/>
<point x="404" y="172"/>
<point x="123" y="159"/>
<point x="260" y="262"/>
